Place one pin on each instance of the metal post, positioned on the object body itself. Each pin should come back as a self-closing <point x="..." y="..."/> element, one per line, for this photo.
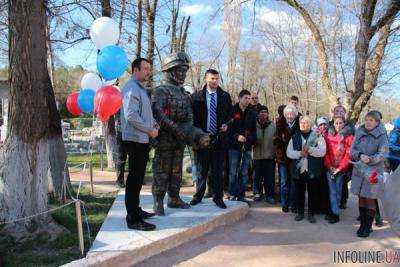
<point x="91" y="175"/>
<point x="101" y="155"/>
<point x="79" y="225"/>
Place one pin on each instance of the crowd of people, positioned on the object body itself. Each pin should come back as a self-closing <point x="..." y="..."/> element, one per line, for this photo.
<point x="235" y="142"/>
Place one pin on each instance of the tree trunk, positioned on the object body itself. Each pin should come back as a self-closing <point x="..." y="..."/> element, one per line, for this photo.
<point x="373" y="68"/>
<point x="59" y="178"/>
<point x="232" y="28"/>
<point x="321" y="50"/>
<point x="111" y="142"/>
<point x="150" y="18"/>
<point x="175" y="12"/>
<point x="184" y="35"/>
<point x="139" y="29"/>
<point x="34" y="124"/>
<point x="121" y="19"/>
<point x="105" y="8"/>
<point x="59" y="173"/>
<point x="367" y="68"/>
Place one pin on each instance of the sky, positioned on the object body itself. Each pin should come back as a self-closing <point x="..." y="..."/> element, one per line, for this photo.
<point x="205" y="33"/>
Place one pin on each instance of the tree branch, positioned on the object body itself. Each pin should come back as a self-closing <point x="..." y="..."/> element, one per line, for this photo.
<point x="391" y="12"/>
<point x="321" y="49"/>
<point x="71" y="42"/>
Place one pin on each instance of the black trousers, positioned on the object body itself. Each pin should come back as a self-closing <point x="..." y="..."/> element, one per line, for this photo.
<point x="305" y="182"/>
<point x="210" y="160"/>
<point x="121" y="158"/>
<point x="138" y="156"/>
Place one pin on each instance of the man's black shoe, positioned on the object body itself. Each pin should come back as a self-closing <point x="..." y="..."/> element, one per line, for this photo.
<point x="299" y="217"/>
<point x="220" y="203"/>
<point x="285" y="209"/>
<point x="141" y="225"/>
<point x="334" y="218"/>
<point x="120" y="184"/>
<point x="194" y="201"/>
<point x="311" y="218"/>
<point x="144" y="214"/>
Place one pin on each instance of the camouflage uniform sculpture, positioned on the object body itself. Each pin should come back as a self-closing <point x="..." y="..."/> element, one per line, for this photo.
<point x="173" y="112"/>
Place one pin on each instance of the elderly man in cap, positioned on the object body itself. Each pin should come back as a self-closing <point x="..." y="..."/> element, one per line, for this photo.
<point x="173" y="112"/>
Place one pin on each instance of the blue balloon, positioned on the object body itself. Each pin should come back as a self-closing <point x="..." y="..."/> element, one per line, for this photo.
<point x="86" y="100"/>
<point x="112" y="62"/>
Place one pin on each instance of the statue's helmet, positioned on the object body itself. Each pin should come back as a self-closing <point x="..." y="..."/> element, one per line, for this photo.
<point x="175" y="60"/>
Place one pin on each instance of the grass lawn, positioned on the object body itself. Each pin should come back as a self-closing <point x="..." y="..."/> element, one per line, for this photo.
<point x="42" y="251"/>
<point x="74" y="160"/>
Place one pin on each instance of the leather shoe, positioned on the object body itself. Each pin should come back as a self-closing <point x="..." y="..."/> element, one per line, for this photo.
<point x="144" y="214"/>
<point x="194" y="201"/>
<point x="141" y="225"/>
<point x="299" y="217"/>
<point x="220" y="203"/>
<point x="120" y="184"/>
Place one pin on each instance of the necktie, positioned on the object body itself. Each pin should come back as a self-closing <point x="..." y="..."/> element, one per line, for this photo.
<point x="213" y="114"/>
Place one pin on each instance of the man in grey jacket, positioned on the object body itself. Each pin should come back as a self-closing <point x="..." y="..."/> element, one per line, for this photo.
<point x="138" y="126"/>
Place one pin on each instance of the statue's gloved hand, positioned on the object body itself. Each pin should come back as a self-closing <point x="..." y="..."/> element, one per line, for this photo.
<point x="204" y="140"/>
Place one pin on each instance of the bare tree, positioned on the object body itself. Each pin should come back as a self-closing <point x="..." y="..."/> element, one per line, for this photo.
<point x="321" y="50"/>
<point x="150" y="8"/>
<point x="25" y="163"/>
<point x="364" y="79"/>
<point x="178" y="43"/>
<point x="368" y="64"/>
<point x="59" y="178"/>
<point x="139" y="28"/>
<point x="232" y="27"/>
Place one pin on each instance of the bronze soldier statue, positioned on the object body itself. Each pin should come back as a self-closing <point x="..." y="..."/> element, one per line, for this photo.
<point x="173" y="112"/>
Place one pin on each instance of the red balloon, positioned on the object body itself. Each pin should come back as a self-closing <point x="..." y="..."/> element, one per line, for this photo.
<point x="72" y="104"/>
<point x="107" y="102"/>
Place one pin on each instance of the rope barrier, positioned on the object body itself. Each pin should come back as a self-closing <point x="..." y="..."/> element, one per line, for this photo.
<point x="38" y="214"/>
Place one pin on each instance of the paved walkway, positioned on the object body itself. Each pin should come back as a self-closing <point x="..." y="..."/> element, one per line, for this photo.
<point x="268" y="237"/>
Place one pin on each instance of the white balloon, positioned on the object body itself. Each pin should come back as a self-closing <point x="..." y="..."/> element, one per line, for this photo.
<point x="91" y="81"/>
<point x="110" y="82"/>
<point x="103" y="32"/>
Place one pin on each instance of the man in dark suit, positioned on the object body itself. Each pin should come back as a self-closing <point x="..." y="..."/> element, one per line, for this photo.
<point x="212" y="109"/>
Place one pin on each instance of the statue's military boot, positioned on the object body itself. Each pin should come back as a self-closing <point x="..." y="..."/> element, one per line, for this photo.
<point x="158" y="205"/>
<point x="176" y="202"/>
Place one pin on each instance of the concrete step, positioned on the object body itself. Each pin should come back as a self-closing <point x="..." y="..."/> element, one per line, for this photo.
<point x="116" y="245"/>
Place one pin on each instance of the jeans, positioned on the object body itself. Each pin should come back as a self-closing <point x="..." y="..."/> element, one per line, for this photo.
<point x="335" y="191"/>
<point x="288" y="193"/>
<point x="264" y="177"/>
<point x="238" y="175"/>
<point x="138" y="155"/>
<point x="210" y="160"/>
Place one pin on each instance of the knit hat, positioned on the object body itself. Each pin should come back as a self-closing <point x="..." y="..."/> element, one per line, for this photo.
<point x="322" y="120"/>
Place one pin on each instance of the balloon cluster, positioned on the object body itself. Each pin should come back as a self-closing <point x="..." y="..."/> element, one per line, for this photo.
<point x="97" y="94"/>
